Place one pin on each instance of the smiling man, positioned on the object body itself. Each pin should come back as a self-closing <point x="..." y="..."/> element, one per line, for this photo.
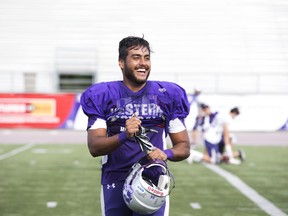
<point x="117" y="110"/>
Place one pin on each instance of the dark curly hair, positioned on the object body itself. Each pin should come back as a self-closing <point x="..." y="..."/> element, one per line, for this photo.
<point x="131" y="42"/>
<point x="235" y="110"/>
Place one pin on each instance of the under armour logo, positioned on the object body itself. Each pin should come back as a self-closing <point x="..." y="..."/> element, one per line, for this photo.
<point x="109" y="186"/>
<point x="162" y="90"/>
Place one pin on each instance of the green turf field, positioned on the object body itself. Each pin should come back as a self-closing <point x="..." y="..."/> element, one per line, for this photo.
<point x="68" y="176"/>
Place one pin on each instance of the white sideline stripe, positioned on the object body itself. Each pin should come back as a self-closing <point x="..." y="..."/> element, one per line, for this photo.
<point x="16" y="151"/>
<point x="249" y="192"/>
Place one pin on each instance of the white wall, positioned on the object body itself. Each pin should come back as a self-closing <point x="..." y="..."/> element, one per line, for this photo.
<point x="222" y="46"/>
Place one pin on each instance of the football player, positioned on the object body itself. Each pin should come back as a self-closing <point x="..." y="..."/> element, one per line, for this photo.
<point x="229" y="139"/>
<point x="217" y="137"/>
<point x="116" y="111"/>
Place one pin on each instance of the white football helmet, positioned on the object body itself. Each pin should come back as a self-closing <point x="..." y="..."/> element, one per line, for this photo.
<point x="147" y="185"/>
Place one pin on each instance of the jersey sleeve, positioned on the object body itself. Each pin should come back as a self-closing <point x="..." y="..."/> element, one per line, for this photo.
<point x="180" y="107"/>
<point x="92" y="101"/>
<point x="198" y="122"/>
<point x="181" y="104"/>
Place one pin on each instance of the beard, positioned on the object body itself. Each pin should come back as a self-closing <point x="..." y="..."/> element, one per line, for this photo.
<point x="129" y="74"/>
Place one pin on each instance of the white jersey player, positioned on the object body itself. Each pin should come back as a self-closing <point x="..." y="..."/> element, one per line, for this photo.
<point x="215" y="130"/>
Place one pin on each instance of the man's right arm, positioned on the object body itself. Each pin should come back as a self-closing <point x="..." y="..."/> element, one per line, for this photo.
<point x="100" y="144"/>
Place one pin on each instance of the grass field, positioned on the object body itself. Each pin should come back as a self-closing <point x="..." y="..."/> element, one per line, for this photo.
<point x="66" y="175"/>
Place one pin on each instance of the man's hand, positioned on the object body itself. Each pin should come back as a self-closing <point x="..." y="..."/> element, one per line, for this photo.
<point x="132" y="126"/>
<point x="157" y="154"/>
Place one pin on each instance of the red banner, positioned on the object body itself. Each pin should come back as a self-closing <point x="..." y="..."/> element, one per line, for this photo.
<point x="35" y="110"/>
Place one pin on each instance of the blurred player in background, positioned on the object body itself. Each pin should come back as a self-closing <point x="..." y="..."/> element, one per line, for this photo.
<point x="112" y="122"/>
<point x="217" y="137"/>
<point x="196" y="98"/>
<point x="229" y="139"/>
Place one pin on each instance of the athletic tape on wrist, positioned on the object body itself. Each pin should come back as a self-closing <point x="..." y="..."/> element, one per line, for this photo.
<point x="122" y="137"/>
<point x="169" y="153"/>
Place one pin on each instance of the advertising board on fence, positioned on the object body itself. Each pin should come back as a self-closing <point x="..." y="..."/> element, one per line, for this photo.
<point x="36" y="110"/>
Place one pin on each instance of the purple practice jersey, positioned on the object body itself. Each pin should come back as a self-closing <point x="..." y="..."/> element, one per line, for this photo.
<point x="156" y="104"/>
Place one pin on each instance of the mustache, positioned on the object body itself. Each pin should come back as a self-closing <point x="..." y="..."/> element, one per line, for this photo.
<point x="142" y="67"/>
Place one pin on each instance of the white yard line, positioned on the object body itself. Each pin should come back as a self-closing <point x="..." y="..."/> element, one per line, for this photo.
<point x="16" y="151"/>
<point x="249" y="192"/>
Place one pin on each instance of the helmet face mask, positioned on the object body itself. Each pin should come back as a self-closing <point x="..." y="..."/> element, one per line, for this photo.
<point x="147" y="186"/>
